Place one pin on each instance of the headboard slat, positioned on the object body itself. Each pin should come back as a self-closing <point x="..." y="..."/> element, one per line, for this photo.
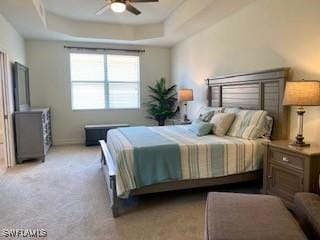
<point x="259" y="90"/>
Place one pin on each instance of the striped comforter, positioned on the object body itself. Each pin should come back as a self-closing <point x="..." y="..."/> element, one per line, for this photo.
<point x="200" y="157"/>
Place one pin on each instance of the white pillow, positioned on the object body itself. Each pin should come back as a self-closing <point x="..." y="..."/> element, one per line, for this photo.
<point x="221" y="123"/>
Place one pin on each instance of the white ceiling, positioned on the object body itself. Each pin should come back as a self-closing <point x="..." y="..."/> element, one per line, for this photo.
<point x="155" y="12"/>
<point x="74" y="20"/>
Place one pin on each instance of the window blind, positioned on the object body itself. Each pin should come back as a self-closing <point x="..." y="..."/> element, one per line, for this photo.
<point x="104" y="81"/>
<point x="123" y="81"/>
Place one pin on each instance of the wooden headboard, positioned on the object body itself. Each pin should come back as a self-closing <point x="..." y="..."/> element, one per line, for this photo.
<point x="259" y="90"/>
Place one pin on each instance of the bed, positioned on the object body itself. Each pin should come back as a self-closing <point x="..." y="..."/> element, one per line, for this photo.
<point x="178" y="159"/>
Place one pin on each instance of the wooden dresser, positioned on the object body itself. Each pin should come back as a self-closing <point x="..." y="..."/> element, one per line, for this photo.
<point x="33" y="136"/>
<point x="288" y="170"/>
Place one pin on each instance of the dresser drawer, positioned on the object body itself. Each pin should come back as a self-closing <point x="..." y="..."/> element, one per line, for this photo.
<point x="286" y="159"/>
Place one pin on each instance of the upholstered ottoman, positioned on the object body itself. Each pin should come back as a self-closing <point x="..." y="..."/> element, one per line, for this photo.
<point x="307" y="210"/>
<point x="249" y="216"/>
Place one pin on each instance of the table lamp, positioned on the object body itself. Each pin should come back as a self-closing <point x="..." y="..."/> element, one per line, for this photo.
<point x="186" y="95"/>
<point x="301" y="93"/>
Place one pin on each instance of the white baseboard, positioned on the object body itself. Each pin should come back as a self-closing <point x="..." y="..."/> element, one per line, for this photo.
<point x="72" y="141"/>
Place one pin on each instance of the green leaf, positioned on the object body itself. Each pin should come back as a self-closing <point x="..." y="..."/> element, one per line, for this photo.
<point x="162" y="100"/>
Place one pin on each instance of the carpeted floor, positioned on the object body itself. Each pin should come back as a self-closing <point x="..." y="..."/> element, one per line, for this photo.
<point x="66" y="196"/>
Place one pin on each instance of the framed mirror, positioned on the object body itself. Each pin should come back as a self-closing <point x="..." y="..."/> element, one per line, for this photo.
<point x="21" y="87"/>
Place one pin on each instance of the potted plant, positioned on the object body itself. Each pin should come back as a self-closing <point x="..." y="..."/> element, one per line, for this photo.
<point x="163" y="102"/>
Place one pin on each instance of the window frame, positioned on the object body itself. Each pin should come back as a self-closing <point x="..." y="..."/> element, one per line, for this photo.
<point x="106" y="82"/>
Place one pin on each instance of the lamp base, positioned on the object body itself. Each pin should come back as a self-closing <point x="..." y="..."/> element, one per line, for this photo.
<point x="299" y="142"/>
<point x="295" y="144"/>
<point x="299" y="138"/>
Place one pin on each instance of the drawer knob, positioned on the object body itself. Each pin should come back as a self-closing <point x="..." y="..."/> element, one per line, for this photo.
<point x="285" y="159"/>
<point x="269" y="177"/>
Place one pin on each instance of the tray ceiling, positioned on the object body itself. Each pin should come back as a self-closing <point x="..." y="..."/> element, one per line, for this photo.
<point x="85" y="10"/>
<point x="161" y="24"/>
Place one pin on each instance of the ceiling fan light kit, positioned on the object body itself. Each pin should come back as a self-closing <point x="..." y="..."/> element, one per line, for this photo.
<point x="119" y="6"/>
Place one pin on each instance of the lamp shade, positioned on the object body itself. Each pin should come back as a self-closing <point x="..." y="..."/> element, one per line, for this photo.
<point x="302" y="93"/>
<point x="185" y="94"/>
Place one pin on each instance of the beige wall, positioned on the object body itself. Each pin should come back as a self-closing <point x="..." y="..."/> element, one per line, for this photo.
<point x="50" y="86"/>
<point x="14" y="46"/>
<point x="11" y="42"/>
<point x="266" y="34"/>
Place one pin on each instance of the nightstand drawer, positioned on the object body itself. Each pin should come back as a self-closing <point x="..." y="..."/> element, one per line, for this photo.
<point x="287" y="159"/>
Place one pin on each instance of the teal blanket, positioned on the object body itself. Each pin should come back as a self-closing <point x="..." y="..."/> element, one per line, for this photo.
<point x="156" y="158"/>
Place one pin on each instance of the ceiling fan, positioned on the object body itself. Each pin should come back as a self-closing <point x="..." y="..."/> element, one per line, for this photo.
<point x="120" y="6"/>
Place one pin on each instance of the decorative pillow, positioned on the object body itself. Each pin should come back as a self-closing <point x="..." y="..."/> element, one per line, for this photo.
<point x="248" y="124"/>
<point x="221" y="123"/>
<point x="206" y="116"/>
<point x="201" y="128"/>
<point x="206" y="113"/>
<point x="267" y="128"/>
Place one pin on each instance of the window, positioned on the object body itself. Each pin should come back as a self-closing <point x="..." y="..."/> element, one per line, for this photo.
<point x="104" y="81"/>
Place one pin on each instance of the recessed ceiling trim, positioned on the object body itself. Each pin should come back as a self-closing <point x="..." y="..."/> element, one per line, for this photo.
<point x="85" y="10"/>
<point x="103" y="30"/>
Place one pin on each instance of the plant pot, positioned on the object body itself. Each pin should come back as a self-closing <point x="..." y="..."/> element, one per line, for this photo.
<point x="161" y="122"/>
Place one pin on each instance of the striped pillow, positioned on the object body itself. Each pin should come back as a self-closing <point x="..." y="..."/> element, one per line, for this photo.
<point x="231" y="110"/>
<point x="248" y="124"/>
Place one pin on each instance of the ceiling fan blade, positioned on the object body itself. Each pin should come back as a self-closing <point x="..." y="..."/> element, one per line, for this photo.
<point x="103" y="9"/>
<point x="132" y="9"/>
<point x="144" y="1"/>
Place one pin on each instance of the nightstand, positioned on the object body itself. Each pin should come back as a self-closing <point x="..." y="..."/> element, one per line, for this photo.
<point x="288" y="170"/>
<point x="180" y="122"/>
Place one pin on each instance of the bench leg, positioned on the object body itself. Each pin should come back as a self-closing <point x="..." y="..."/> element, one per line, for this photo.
<point x="115" y="205"/>
<point x="115" y="211"/>
<point x="102" y="159"/>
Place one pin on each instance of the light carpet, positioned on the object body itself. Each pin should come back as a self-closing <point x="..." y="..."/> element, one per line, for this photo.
<point x="66" y="196"/>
